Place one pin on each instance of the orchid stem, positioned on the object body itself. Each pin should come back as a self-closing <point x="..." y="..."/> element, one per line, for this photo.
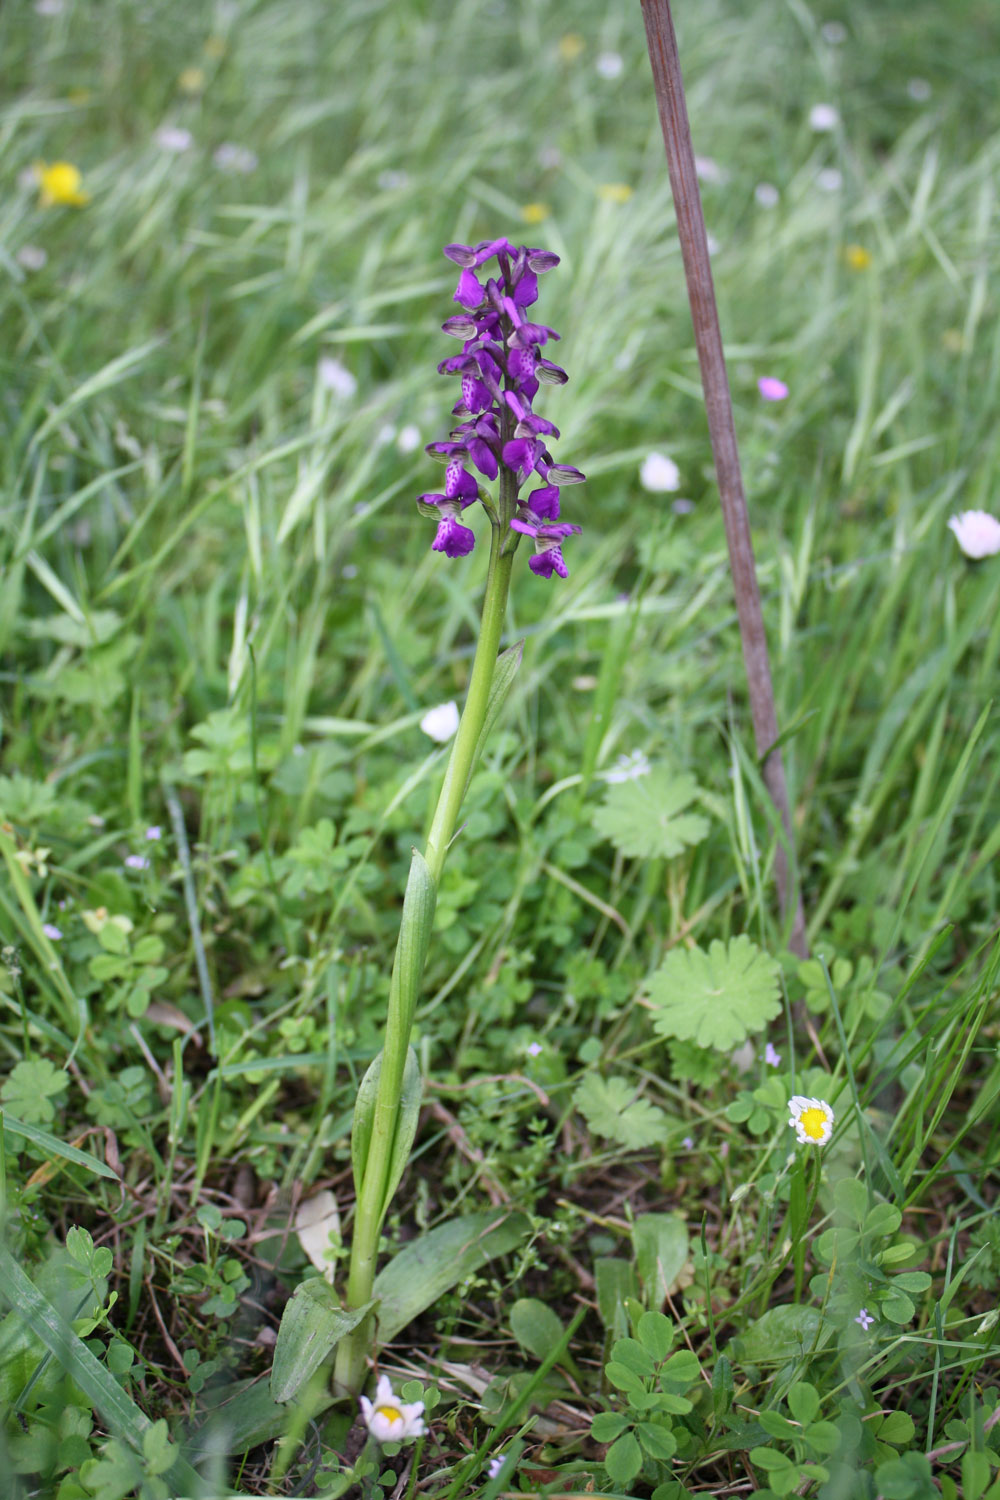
<point x="351" y="1365"/>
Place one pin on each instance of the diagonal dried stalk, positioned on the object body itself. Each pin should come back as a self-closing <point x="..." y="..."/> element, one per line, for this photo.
<point x="670" y="101"/>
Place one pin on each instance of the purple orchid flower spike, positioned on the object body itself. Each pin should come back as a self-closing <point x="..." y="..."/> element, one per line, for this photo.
<point x="501" y="369"/>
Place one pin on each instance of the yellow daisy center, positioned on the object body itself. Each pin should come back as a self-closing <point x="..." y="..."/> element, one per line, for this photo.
<point x="814" y="1123"/>
<point x="391" y="1413"/>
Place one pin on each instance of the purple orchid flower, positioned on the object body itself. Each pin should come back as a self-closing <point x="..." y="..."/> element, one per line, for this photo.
<point x="501" y="368"/>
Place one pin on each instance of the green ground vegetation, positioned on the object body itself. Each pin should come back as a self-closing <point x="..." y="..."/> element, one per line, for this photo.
<point x="221" y="624"/>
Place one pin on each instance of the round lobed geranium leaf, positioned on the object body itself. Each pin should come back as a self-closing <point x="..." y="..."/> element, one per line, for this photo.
<point x="716" y="998"/>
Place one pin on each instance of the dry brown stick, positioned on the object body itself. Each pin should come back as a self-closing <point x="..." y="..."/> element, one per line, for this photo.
<point x="670" y="102"/>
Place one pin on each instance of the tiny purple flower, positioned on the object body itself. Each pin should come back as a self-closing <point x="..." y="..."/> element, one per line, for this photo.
<point x="865" y="1319"/>
<point x="534" y="1048"/>
<point x="688" y="1143"/>
<point x="501" y="368"/>
<point x="154" y="831"/>
<point x="771" y="1057"/>
<point x="771" y="388"/>
<point x="52" y="932"/>
<point x="136" y="862"/>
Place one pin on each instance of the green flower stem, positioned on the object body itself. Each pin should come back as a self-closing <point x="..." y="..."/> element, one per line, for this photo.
<point x="350" y="1371"/>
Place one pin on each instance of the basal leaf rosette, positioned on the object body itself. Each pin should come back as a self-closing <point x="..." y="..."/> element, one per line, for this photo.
<point x="716" y="998"/>
<point x="645" y="818"/>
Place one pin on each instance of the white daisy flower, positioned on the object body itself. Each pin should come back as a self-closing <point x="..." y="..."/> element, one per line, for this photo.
<point x="335" y="377"/>
<point x="976" y="532"/>
<point x="441" y="722"/>
<point x="658" y="473"/>
<point x="824" y="117"/>
<point x="232" y="158"/>
<point x="390" y="1420"/>
<point x="830" y="180"/>
<point x="174" y="138"/>
<point x="610" y="64"/>
<point x="32" y="257"/>
<point x="811" y="1119"/>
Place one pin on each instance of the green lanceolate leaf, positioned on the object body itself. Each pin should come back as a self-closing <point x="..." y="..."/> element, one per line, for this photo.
<point x="406" y="1122"/>
<point x="53" y="1146"/>
<point x="414" y="937"/>
<point x="430" y="1266"/>
<point x="312" y="1325"/>
<point x="715" y="998"/>
<point x="535" y="1326"/>
<point x="661" y="1249"/>
<point x="504" y="673"/>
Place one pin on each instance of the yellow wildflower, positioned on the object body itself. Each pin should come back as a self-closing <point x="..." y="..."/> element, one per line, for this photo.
<point x="535" y="213"/>
<point x="614" y="192"/>
<point x="60" y="182"/>
<point x="191" y="81"/>
<point x="857" y="257"/>
<point x="570" y="46"/>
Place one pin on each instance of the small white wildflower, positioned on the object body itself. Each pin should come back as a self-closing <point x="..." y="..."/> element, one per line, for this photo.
<point x="658" y="473"/>
<point x="610" y="64"/>
<point x="441" y="722"/>
<point x="766" y="194"/>
<point x="823" y="117"/>
<point x="390" y="1420"/>
<point x="534" y="1049"/>
<point x="811" y="1119"/>
<point x="174" y="138"/>
<point x="771" y="1057"/>
<point x="833" y="33"/>
<point x="865" y="1318"/>
<point x="335" y="377"/>
<point x="232" y="158"/>
<point x="496" y="1464"/>
<point x="919" y="90"/>
<point x="628" y="768"/>
<point x="976" y="532"/>
<point x="32" y="257"/>
<point x="409" y="438"/>
<point x="830" y="180"/>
